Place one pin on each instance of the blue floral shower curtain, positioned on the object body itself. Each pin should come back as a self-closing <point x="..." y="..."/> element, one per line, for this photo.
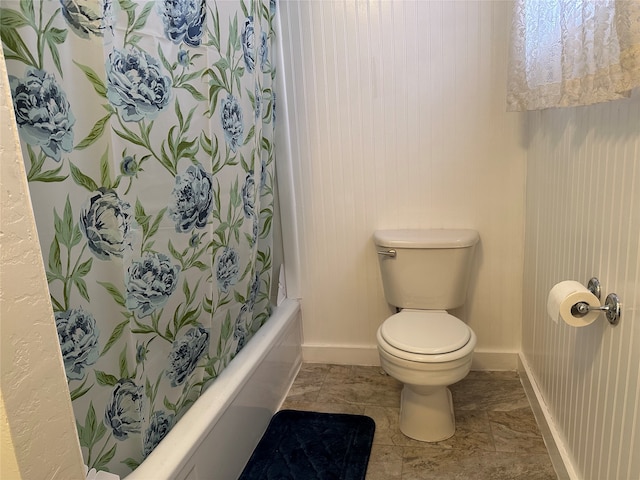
<point x="147" y="135"/>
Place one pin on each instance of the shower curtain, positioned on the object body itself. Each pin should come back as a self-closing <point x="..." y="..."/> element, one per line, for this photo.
<point x="147" y="135"/>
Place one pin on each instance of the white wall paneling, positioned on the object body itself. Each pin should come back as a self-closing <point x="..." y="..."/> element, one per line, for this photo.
<point x="583" y="220"/>
<point x="397" y="119"/>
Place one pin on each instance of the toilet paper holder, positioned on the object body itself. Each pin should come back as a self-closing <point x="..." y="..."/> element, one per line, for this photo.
<point x="611" y="308"/>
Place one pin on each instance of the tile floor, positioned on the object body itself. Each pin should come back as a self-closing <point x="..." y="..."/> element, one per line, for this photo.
<point x="496" y="438"/>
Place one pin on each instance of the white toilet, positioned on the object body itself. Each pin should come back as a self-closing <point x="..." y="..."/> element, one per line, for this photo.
<point x="425" y="273"/>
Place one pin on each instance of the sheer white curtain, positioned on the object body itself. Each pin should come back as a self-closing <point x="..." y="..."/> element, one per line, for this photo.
<point x="572" y="52"/>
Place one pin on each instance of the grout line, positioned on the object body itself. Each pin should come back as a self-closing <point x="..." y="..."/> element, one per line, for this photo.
<point x="493" y="438"/>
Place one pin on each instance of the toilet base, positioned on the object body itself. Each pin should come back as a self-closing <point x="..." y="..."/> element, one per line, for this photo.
<point x="426" y="413"/>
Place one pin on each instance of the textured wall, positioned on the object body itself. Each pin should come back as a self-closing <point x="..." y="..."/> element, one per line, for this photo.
<point x="33" y="382"/>
<point x="397" y="118"/>
<point x="9" y="465"/>
<point x="583" y="220"/>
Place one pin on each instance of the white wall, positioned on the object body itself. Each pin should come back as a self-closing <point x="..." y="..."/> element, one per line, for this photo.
<point x="583" y="220"/>
<point x="397" y="118"/>
<point x="36" y="419"/>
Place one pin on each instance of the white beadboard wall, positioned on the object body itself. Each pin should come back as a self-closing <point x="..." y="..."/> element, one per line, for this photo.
<point x="397" y="119"/>
<point x="583" y="220"/>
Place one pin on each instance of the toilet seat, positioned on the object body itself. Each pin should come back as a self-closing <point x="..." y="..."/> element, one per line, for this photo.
<point x="426" y="336"/>
<point x="427" y="333"/>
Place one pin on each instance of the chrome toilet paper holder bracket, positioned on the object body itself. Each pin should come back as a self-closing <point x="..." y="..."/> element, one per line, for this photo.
<point x="611" y="308"/>
<point x="593" y="285"/>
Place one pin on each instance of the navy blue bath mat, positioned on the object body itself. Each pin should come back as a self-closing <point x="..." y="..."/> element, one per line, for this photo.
<point x="312" y="446"/>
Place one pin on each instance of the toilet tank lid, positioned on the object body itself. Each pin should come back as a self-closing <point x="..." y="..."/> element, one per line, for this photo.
<point x="426" y="238"/>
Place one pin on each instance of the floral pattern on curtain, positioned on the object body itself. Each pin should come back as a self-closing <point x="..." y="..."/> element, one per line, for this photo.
<point x="147" y="134"/>
<point x="566" y="53"/>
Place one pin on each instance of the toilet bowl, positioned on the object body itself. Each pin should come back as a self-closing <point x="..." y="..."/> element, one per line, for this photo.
<point x="424" y="274"/>
<point x="426" y="352"/>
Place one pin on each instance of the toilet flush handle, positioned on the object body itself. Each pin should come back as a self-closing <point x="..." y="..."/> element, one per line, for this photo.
<point x="387" y="253"/>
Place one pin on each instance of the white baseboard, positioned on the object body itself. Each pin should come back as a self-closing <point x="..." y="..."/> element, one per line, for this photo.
<point x="560" y="458"/>
<point x="368" y="355"/>
<point x="340" y="354"/>
<point x="483" y="360"/>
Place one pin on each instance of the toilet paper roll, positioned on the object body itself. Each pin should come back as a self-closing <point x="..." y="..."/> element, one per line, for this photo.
<point x="563" y="296"/>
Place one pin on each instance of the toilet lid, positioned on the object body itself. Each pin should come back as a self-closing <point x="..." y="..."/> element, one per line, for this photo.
<point x="427" y="333"/>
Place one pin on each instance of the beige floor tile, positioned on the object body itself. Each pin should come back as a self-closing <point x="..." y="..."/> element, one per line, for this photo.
<point x="496" y="434"/>
<point x="516" y="431"/>
<point x="473" y="432"/>
<point x="387" y="431"/>
<point x="355" y="392"/>
<point x="385" y="463"/>
<point x="430" y="463"/>
<point x="489" y="394"/>
<point x="308" y="383"/>
<point x="483" y="375"/>
<point x="323" y="407"/>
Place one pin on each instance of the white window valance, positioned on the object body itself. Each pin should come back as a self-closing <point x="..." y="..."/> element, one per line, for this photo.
<point x="572" y="52"/>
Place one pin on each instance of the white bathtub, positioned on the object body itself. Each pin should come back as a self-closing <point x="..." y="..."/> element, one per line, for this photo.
<point x="216" y="437"/>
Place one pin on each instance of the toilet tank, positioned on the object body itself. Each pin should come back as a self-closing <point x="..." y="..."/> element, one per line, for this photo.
<point x="429" y="270"/>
